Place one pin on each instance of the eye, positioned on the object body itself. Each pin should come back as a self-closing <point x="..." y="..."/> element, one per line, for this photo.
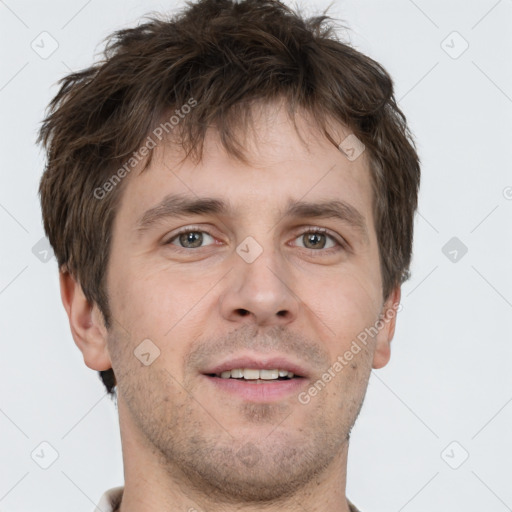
<point x="313" y="239"/>
<point x="190" y="238"/>
<point x="318" y="238"/>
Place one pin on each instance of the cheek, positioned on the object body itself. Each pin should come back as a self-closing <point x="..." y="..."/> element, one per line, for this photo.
<point x="161" y="303"/>
<point x="345" y="297"/>
<point x="160" y="309"/>
<point x="341" y="310"/>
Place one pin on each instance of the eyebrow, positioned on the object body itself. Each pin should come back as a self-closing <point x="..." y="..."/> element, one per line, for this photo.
<point x="179" y="206"/>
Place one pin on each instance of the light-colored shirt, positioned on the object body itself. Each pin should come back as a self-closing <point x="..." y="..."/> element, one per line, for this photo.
<point x="111" y="499"/>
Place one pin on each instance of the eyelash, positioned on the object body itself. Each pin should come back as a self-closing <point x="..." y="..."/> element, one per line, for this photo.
<point x="196" y="229"/>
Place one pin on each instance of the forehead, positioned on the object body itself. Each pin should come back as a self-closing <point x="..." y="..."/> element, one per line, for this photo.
<point x="286" y="172"/>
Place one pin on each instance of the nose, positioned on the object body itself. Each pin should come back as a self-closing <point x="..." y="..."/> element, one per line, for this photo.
<point x="259" y="292"/>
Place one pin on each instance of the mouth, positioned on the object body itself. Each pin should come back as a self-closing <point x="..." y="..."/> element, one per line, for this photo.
<point x="263" y="380"/>
<point x="257" y="368"/>
<point x="256" y="375"/>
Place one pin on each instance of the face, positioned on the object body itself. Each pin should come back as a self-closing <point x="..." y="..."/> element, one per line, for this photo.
<point x="264" y="277"/>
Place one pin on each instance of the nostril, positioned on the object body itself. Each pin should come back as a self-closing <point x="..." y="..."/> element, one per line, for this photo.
<point x="243" y="312"/>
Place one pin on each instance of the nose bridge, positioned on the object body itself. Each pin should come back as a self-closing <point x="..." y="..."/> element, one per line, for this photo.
<point x="258" y="289"/>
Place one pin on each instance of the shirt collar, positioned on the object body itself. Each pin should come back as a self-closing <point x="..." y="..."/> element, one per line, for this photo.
<point x="110" y="500"/>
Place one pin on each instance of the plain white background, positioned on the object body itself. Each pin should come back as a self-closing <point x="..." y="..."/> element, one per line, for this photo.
<point x="447" y="392"/>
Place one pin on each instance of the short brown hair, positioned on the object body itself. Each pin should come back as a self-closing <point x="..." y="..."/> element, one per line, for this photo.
<point x="225" y="55"/>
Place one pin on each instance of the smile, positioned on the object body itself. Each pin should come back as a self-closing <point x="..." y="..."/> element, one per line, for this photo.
<point x="251" y="374"/>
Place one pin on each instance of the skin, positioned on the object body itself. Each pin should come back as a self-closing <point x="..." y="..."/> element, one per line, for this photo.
<point x="187" y="445"/>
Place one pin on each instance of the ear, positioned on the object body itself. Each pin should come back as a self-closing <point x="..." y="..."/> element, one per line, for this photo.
<point x="386" y="331"/>
<point x="86" y="323"/>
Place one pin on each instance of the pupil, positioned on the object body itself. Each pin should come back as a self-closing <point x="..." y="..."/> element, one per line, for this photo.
<point x="188" y="238"/>
<point x="312" y="236"/>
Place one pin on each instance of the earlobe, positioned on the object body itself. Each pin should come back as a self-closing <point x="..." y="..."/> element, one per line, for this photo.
<point x="86" y="323"/>
<point x="386" y="330"/>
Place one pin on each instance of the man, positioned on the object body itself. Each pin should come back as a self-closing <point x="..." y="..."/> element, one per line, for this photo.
<point x="230" y="195"/>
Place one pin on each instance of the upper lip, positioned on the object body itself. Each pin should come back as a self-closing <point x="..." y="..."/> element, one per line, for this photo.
<point x="260" y="363"/>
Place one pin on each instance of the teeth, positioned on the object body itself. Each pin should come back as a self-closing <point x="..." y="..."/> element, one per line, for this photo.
<point x="269" y="374"/>
<point x="253" y="374"/>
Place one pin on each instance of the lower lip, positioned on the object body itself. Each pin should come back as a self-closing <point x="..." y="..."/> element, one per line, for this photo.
<point x="261" y="391"/>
